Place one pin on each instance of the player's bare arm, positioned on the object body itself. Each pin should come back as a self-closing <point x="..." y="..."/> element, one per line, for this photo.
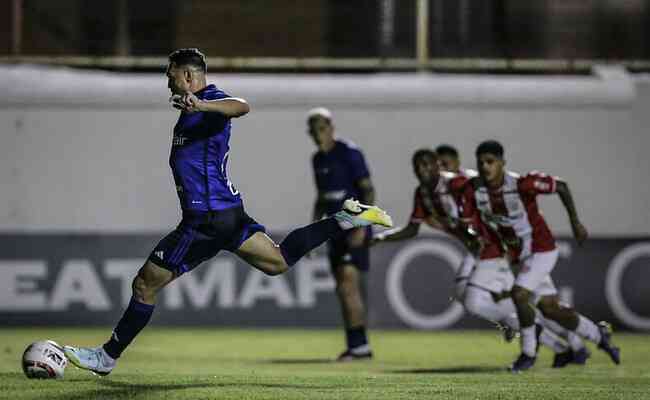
<point x="579" y="231"/>
<point x="232" y="107"/>
<point x="401" y="233"/>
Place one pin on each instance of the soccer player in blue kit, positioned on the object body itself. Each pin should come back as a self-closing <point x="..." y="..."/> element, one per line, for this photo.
<point x="213" y="216"/>
<point x="340" y="171"/>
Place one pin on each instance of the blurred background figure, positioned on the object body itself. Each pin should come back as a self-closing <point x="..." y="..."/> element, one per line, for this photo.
<point x="341" y="172"/>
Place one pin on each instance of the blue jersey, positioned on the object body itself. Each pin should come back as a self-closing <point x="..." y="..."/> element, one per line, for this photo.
<point x="199" y="158"/>
<point x="337" y="173"/>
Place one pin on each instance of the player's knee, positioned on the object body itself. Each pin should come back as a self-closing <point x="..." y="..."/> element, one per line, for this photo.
<point x="149" y="281"/>
<point x="141" y="289"/>
<point x="520" y="295"/>
<point x="276" y="267"/>
<point x="548" y="308"/>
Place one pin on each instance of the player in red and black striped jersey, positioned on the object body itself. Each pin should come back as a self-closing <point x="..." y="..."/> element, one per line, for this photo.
<point x="507" y="203"/>
<point x="438" y="203"/>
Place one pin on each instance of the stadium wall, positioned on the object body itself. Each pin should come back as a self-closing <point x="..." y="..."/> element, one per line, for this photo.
<point x="87" y="151"/>
<point x="86" y="190"/>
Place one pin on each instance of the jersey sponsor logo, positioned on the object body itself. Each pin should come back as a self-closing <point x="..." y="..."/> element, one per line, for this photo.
<point x="197" y="202"/>
<point x="322" y="171"/>
<point x="179" y="140"/>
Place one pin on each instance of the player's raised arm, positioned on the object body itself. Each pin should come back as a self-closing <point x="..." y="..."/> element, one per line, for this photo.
<point x="231" y="107"/>
<point x="579" y="231"/>
<point x="404" y="232"/>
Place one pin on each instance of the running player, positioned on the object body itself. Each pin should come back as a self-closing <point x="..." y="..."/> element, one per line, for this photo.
<point x="449" y="160"/>
<point x="438" y="204"/>
<point x="213" y="214"/>
<point x="340" y="172"/>
<point x="508" y="203"/>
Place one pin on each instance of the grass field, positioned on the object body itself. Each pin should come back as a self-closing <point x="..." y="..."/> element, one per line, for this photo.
<point x="296" y="364"/>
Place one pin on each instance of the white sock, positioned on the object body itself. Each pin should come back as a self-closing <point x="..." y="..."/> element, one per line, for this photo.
<point x="509" y="312"/>
<point x="588" y="330"/>
<point x="575" y="342"/>
<point x="529" y="341"/>
<point x="552" y="341"/>
<point x="364" y="348"/>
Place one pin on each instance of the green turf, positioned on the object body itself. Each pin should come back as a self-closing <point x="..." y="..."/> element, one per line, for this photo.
<point x="296" y="364"/>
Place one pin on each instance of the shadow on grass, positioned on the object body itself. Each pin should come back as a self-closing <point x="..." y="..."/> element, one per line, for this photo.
<point x="452" y="370"/>
<point x="298" y="361"/>
<point x="120" y="389"/>
<point x="8" y="375"/>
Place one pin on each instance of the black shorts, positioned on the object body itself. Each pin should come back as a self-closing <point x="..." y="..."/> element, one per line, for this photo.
<point x="341" y="253"/>
<point x="201" y="235"/>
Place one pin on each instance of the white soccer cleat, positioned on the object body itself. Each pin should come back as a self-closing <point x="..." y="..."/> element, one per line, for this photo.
<point x="357" y="215"/>
<point x="94" y="360"/>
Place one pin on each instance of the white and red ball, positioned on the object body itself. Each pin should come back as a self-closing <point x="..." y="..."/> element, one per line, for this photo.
<point x="44" y="360"/>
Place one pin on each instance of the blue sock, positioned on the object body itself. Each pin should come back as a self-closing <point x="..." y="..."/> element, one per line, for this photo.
<point x="136" y="317"/>
<point x="303" y="240"/>
<point x="356" y="337"/>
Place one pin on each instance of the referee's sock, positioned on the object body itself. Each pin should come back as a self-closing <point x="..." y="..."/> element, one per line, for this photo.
<point x="303" y="240"/>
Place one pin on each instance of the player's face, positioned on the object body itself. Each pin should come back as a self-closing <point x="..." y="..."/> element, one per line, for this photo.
<point x="321" y="131"/>
<point x="448" y="163"/>
<point x="490" y="167"/>
<point x="177" y="80"/>
<point x="426" y="169"/>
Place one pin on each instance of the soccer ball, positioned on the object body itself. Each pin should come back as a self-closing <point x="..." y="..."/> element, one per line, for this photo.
<point x="44" y="360"/>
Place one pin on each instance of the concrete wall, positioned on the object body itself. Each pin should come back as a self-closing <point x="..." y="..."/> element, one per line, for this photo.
<point x="87" y="151"/>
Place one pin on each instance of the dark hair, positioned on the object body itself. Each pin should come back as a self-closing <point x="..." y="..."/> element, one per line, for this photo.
<point x="425" y="152"/>
<point x="447" y="150"/>
<point x="490" y="147"/>
<point x="189" y="56"/>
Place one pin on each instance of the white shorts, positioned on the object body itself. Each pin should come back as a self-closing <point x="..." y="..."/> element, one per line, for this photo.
<point x="493" y="275"/>
<point x="535" y="273"/>
<point x="462" y="276"/>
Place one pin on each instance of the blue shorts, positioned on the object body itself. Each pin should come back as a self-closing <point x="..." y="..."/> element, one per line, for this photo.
<point x="201" y="235"/>
<point x="340" y="252"/>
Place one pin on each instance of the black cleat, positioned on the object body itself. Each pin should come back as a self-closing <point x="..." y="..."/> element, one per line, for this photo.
<point x="561" y="360"/>
<point x="580" y="357"/>
<point x="522" y="363"/>
<point x="606" y="344"/>
<point x="349" y="355"/>
<point x="508" y="333"/>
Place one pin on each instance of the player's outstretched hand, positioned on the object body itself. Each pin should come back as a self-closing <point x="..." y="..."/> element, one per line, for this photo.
<point x="579" y="232"/>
